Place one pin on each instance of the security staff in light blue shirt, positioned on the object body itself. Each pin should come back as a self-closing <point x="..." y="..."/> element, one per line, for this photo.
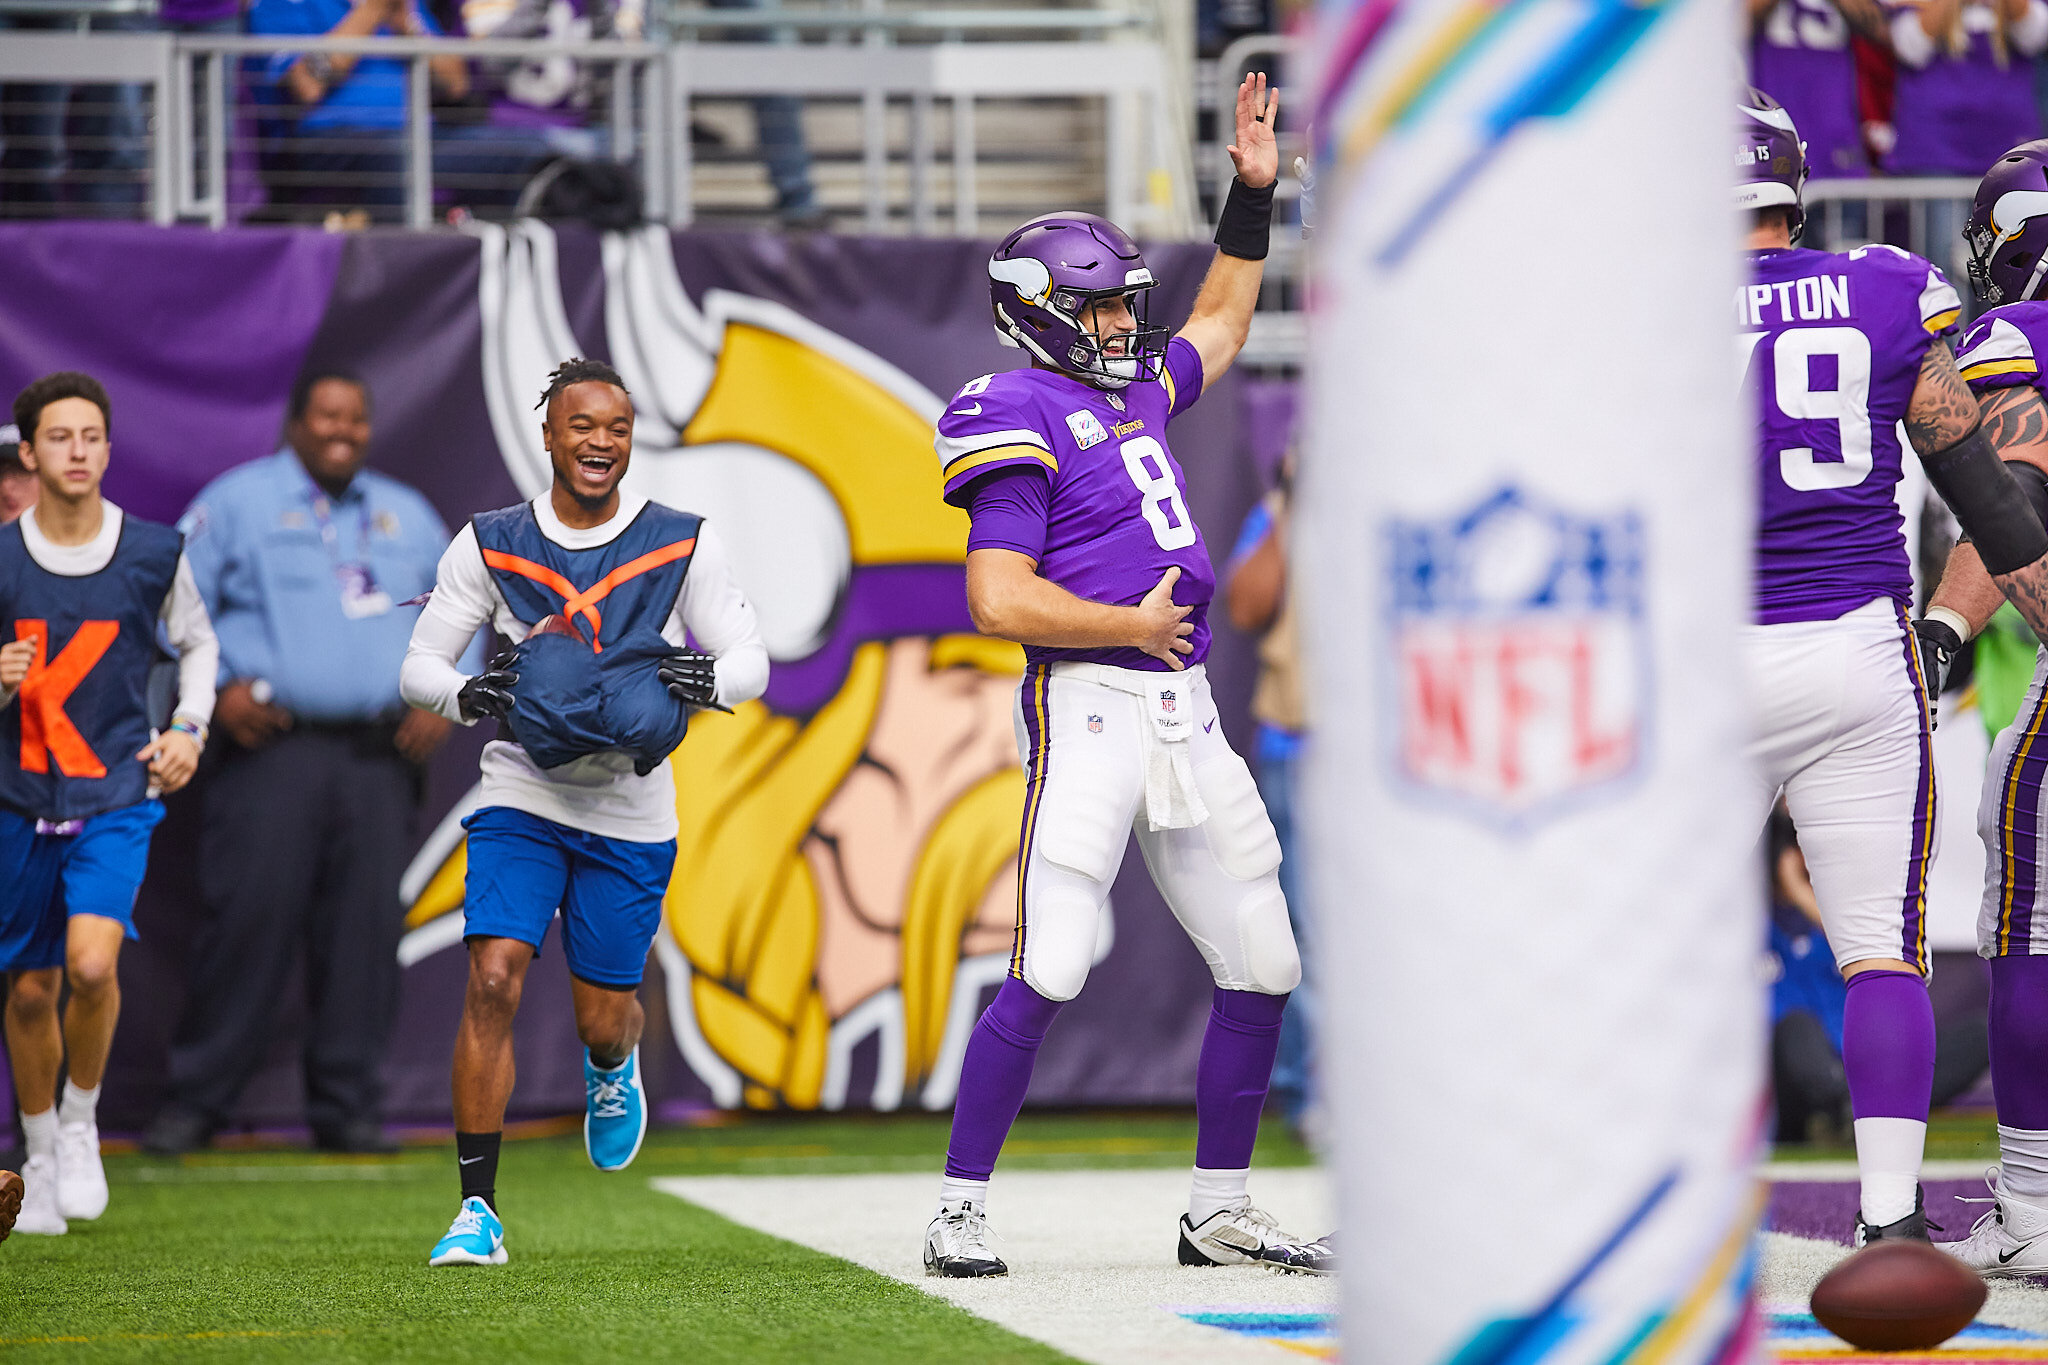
<point x="306" y="562"/>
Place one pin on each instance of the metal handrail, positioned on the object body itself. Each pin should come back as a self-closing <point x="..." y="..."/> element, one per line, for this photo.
<point x="937" y="21"/>
<point x="1888" y="187"/>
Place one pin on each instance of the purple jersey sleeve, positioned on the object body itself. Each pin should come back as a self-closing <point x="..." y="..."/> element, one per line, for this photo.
<point x="1009" y="510"/>
<point x="1181" y="375"/>
<point x="2002" y="349"/>
<point x="992" y="423"/>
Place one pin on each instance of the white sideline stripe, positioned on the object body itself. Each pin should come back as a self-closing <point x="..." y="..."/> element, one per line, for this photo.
<point x="1846" y="1170"/>
<point x="1091" y="1253"/>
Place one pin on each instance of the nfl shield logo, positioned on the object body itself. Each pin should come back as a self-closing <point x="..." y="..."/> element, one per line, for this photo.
<point x="1521" y="665"/>
<point x="1166" y="702"/>
<point x="1094" y="725"/>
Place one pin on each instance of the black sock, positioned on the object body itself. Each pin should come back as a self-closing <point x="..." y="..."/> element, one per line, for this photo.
<point x="476" y="1157"/>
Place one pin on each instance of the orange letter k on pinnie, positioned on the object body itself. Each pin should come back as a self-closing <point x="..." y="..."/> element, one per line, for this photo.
<point x="46" y="732"/>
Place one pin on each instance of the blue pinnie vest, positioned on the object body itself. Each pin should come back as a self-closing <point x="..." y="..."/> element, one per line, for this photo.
<point x="617" y="596"/>
<point x="71" y="735"/>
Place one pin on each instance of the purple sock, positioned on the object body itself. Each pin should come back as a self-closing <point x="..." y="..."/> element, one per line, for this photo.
<point x="994" y="1076"/>
<point x="1888" y="1045"/>
<point x="2019" y="1040"/>
<point x="1231" y="1078"/>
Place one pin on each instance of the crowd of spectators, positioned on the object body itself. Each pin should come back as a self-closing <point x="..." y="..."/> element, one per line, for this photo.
<point x="329" y="128"/>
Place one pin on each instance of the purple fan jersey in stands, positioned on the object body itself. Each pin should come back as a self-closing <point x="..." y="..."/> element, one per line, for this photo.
<point x="1800" y="57"/>
<point x="1116" y="519"/>
<point x="1831" y="345"/>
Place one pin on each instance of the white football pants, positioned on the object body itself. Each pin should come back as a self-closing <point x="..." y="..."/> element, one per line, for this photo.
<point x="1841" y="728"/>
<point x="1083" y="733"/>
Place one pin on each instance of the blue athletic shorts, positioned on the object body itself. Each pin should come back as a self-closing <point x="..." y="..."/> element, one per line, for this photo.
<point x="47" y="878"/>
<point x="523" y="868"/>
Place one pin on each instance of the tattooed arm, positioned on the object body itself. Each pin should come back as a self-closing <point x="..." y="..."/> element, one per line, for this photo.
<point x="2016" y="421"/>
<point x="1944" y="423"/>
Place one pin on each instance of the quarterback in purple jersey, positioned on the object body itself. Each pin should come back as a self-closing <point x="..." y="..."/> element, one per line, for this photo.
<point x="1839" y="349"/>
<point x="1082" y="550"/>
<point x="2001" y="357"/>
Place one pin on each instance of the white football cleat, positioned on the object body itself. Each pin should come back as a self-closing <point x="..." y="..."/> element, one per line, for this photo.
<point x="956" y="1243"/>
<point x="81" y="1178"/>
<point x="1248" y="1235"/>
<point x="2010" y="1239"/>
<point x="39" y="1212"/>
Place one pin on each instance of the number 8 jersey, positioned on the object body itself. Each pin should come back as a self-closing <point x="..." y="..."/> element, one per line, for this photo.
<point x="1831" y="345"/>
<point x="1116" y="519"/>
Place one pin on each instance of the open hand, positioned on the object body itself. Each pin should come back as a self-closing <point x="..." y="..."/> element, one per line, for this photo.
<point x="173" y="757"/>
<point x="249" y="722"/>
<point x="1255" y="153"/>
<point x="1163" y="629"/>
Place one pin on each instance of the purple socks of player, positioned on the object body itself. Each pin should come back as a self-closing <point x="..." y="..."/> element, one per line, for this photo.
<point x="994" y="1076"/>
<point x="2019" y="1041"/>
<point x="1888" y="1045"/>
<point x="1231" y="1078"/>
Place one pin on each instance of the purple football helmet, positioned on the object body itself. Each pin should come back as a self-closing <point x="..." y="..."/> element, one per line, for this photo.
<point x="1770" y="160"/>
<point x="1048" y="271"/>
<point x="2008" y="231"/>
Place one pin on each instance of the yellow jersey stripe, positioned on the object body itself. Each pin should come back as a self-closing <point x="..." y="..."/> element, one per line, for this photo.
<point x="975" y="459"/>
<point x="1942" y="321"/>
<point x="1166" y="378"/>
<point x="1985" y="368"/>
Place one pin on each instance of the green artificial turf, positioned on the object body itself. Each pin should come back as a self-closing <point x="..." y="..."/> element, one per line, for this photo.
<point x="263" y="1255"/>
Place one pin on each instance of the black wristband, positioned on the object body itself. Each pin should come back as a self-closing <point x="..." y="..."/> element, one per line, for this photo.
<point x="1246" y="224"/>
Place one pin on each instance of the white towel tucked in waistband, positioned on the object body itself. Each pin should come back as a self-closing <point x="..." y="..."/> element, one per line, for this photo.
<point x="1171" y="800"/>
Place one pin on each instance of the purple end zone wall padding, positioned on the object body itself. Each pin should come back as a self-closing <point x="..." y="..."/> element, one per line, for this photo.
<point x="198" y="335"/>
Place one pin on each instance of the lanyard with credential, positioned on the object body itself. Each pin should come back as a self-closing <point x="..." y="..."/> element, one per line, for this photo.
<point x="360" y="595"/>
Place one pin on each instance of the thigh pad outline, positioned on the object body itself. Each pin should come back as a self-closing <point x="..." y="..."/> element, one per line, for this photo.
<point x="1239" y="832"/>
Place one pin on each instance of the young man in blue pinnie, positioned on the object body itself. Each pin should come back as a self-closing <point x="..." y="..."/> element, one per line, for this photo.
<point x="85" y="593"/>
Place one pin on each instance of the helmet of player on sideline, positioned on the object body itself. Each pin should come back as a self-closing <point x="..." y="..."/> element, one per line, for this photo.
<point x="1047" y="273"/>
<point x="1770" y="160"/>
<point x="2008" y="230"/>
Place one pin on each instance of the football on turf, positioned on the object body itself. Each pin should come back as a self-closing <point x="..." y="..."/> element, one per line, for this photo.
<point x="555" y="625"/>
<point x="10" y="1202"/>
<point x="1898" y="1296"/>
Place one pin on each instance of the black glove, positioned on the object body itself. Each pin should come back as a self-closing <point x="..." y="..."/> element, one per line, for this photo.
<point x="692" y="679"/>
<point x="489" y="693"/>
<point x="1939" y="644"/>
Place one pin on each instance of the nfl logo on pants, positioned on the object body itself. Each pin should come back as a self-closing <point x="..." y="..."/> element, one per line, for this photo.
<point x="1520" y="652"/>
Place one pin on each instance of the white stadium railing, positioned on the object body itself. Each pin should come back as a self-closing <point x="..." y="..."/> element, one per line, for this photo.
<point x="896" y="68"/>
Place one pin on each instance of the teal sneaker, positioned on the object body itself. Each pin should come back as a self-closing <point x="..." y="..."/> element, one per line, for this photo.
<point x="476" y="1237"/>
<point x="614" y="1114"/>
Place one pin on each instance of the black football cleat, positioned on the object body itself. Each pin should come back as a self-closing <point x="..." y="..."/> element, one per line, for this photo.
<point x="1911" y="1228"/>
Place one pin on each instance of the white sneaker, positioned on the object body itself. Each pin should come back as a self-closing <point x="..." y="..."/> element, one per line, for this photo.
<point x="81" y="1179"/>
<point x="956" y="1243"/>
<point x="1248" y="1235"/>
<point x="2010" y="1239"/>
<point x="39" y="1199"/>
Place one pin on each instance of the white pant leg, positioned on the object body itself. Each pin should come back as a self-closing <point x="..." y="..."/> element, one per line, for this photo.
<point x="1842" y="727"/>
<point x="1084" y="770"/>
<point x="2012" y="820"/>
<point x="1221" y="878"/>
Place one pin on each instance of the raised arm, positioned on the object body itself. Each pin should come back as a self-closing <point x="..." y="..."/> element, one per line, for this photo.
<point x="1222" y="316"/>
<point x="1960" y="452"/>
<point x="1010" y="601"/>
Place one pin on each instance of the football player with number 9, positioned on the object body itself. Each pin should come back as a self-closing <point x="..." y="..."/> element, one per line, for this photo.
<point x="1839" y="350"/>
<point x="1083" y="551"/>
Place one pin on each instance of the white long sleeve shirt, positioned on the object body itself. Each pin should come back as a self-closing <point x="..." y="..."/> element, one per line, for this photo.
<point x="599" y="793"/>
<point x="183" y="614"/>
